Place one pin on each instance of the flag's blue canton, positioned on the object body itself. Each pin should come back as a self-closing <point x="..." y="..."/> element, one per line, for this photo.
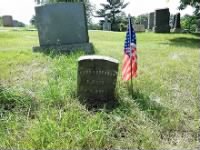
<point x="128" y="41"/>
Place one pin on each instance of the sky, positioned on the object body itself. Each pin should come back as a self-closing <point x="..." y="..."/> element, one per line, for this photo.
<point x="23" y="10"/>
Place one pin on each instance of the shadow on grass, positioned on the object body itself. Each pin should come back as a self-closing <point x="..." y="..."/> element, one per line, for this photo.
<point x="98" y="104"/>
<point x="196" y="34"/>
<point x="54" y="52"/>
<point x="185" y="42"/>
<point x="12" y="101"/>
<point x="153" y="109"/>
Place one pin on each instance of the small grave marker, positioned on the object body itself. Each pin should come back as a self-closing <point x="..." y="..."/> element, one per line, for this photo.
<point x="97" y="76"/>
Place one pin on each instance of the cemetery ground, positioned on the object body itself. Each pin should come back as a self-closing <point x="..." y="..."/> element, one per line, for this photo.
<point x="39" y="108"/>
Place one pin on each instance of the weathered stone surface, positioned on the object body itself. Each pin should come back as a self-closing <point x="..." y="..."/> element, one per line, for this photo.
<point x="61" y="24"/>
<point x="176" y="23"/>
<point x="139" y="27"/>
<point x="87" y="47"/>
<point x="97" y="76"/>
<point x="106" y="25"/>
<point x="145" y="23"/>
<point x="150" y="20"/>
<point x="161" y="21"/>
<point x="7" y="21"/>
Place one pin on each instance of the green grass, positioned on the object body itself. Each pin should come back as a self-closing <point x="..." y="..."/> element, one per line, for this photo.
<point x="39" y="108"/>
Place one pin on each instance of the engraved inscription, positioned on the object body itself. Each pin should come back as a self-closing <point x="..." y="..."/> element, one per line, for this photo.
<point x="97" y="79"/>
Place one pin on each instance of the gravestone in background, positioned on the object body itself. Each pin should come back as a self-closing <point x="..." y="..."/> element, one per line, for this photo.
<point x="106" y="25"/>
<point x="62" y="27"/>
<point x="198" y="26"/>
<point x="173" y="22"/>
<point x="177" y="23"/>
<point x="7" y="21"/>
<point x="150" y="20"/>
<point x="18" y="24"/>
<point x="139" y="27"/>
<point x="97" y="76"/>
<point x="161" y="21"/>
<point x="145" y="23"/>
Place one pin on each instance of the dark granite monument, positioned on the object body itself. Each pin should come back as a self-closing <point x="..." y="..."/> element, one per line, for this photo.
<point x="176" y="23"/>
<point x="62" y="27"/>
<point x="7" y="21"/>
<point x="161" y="21"/>
<point x="97" y="76"/>
<point x="150" y="20"/>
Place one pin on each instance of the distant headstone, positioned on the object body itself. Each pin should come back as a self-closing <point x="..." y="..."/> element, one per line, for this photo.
<point x="161" y="21"/>
<point x="18" y="24"/>
<point x="145" y="23"/>
<point x="97" y="76"/>
<point x="139" y="28"/>
<point x="177" y="23"/>
<point x="62" y="27"/>
<point x="173" y="21"/>
<point x="150" y="20"/>
<point x="106" y="25"/>
<point x="7" y="21"/>
<point x="198" y="26"/>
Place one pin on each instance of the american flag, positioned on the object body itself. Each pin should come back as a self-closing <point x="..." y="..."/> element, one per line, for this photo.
<point x="129" y="68"/>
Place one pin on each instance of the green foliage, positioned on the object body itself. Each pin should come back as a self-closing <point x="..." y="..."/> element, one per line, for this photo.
<point x="162" y="114"/>
<point x="33" y="21"/>
<point x="110" y="10"/>
<point x="93" y="26"/>
<point x="189" y="22"/>
<point x="193" y="3"/>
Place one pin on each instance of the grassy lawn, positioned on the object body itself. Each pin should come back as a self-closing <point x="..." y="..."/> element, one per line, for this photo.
<point x="39" y="108"/>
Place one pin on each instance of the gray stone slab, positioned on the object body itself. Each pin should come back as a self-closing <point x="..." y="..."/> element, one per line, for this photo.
<point x="7" y="21"/>
<point x="106" y="25"/>
<point x="61" y="24"/>
<point x="161" y="21"/>
<point x="150" y="20"/>
<point x="176" y="23"/>
<point x="97" y="76"/>
<point x="87" y="47"/>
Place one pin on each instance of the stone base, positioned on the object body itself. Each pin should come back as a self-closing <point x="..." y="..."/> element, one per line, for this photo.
<point x="164" y="29"/>
<point x="176" y="30"/>
<point x="149" y="30"/>
<point x="87" y="47"/>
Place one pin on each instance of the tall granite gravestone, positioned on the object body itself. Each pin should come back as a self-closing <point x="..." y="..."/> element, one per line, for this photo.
<point x="106" y="25"/>
<point x="161" y="21"/>
<point x="7" y="21"/>
<point x="150" y="20"/>
<point x="97" y="76"/>
<point x="198" y="26"/>
<point x="62" y="27"/>
<point x="177" y="23"/>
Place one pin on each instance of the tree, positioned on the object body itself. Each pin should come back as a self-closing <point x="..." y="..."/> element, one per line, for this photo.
<point x="111" y="9"/>
<point x="193" y="3"/>
<point x="189" y="22"/>
<point x="88" y="6"/>
<point x="32" y="21"/>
